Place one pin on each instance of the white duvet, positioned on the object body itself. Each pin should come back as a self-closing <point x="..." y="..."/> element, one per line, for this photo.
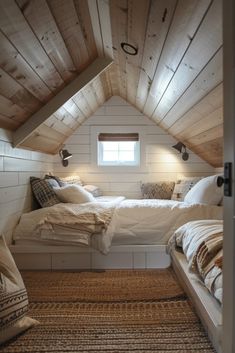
<point x="153" y="221"/>
<point x="148" y="221"/>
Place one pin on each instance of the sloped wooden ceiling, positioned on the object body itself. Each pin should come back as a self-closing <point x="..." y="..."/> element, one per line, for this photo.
<point x="175" y="78"/>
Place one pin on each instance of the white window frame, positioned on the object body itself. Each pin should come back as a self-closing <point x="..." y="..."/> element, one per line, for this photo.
<point x="136" y="161"/>
<point x="96" y="130"/>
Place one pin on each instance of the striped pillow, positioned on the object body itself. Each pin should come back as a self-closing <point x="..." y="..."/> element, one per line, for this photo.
<point x="43" y="192"/>
<point x="13" y="297"/>
<point x="183" y="186"/>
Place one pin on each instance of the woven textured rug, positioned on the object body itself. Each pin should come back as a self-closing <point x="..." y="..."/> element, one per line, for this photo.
<point x="110" y="311"/>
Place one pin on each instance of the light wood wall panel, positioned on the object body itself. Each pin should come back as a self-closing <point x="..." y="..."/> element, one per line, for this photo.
<point x="15" y="65"/>
<point x="41" y="20"/>
<point x="73" y="32"/>
<point x="119" y="20"/>
<point x="187" y="18"/>
<point x="160" y="17"/>
<point x="192" y="64"/>
<point x="209" y="77"/>
<point x="206" y="106"/>
<point x="137" y="23"/>
<point x="45" y="44"/>
<point x="11" y="89"/>
<point x="19" y="32"/>
<point x="37" y="57"/>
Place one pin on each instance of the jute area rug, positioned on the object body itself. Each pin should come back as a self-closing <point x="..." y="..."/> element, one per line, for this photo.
<point x="110" y="311"/>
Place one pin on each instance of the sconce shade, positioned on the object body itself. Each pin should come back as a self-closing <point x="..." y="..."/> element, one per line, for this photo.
<point x="179" y="146"/>
<point x="65" y="155"/>
<point x="185" y="156"/>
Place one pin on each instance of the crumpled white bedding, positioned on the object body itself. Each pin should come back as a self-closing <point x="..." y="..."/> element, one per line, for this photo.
<point x="136" y="222"/>
<point x="153" y="221"/>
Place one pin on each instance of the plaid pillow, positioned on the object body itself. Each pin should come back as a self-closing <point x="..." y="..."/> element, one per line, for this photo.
<point x="159" y="190"/>
<point x="43" y="192"/>
<point x="59" y="182"/>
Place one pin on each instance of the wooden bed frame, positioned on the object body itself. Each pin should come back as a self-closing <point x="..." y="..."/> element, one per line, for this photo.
<point x="42" y="257"/>
<point x="208" y="308"/>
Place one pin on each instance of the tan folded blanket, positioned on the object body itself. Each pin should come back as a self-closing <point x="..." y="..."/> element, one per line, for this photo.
<point x="206" y="252"/>
<point x="89" y="218"/>
<point x="219" y="261"/>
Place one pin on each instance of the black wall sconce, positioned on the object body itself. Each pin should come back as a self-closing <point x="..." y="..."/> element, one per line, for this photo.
<point x="65" y="155"/>
<point x="182" y="149"/>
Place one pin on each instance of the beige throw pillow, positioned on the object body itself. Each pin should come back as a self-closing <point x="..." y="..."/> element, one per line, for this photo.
<point x="13" y="297"/>
<point x="182" y="187"/>
<point x="158" y="190"/>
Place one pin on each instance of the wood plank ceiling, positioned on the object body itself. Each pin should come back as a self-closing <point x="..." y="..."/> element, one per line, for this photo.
<point x="175" y="79"/>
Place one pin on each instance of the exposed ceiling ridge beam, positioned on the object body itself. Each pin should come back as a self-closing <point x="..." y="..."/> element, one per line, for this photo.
<point x="38" y="118"/>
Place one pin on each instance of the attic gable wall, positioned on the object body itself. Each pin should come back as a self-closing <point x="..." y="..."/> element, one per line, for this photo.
<point x="162" y="162"/>
<point x="175" y="78"/>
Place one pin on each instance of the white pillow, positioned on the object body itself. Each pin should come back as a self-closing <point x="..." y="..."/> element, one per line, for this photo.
<point x="73" y="194"/>
<point x="13" y="297"/>
<point x="205" y="191"/>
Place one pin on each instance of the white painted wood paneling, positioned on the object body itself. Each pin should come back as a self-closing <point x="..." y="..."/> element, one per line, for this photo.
<point x="78" y="139"/>
<point x="111" y="261"/>
<point x="162" y="162"/>
<point x="1" y="163"/>
<point x="139" y="260"/>
<point x="77" y="258"/>
<point x="71" y="261"/>
<point x="36" y="261"/>
<point x="8" y="179"/>
<point x="13" y="193"/>
<point x="16" y="167"/>
<point x="5" y="135"/>
<point x="159" y="260"/>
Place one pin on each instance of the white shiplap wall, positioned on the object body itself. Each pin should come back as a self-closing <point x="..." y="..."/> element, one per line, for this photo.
<point x="162" y="161"/>
<point x="16" y="166"/>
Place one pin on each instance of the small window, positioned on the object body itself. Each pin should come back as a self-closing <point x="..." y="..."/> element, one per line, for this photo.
<point x="118" y="149"/>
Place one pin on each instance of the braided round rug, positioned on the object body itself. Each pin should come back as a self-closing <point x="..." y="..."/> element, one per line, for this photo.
<point x="109" y="311"/>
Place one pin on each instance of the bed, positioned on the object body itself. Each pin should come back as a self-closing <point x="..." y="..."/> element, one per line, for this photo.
<point x="74" y="229"/>
<point x="123" y="234"/>
<point x="197" y="254"/>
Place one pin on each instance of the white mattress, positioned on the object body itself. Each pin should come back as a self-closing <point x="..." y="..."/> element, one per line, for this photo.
<point x="144" y="239"/>
<point x="154" y="221"/>
<point x="134" y="222"/>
